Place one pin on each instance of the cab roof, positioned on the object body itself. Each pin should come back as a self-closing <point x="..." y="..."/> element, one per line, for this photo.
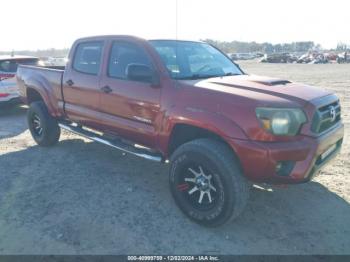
<point x="102" y="37"/>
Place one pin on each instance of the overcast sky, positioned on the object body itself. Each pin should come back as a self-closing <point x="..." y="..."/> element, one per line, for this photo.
<point x="41" y="24"/>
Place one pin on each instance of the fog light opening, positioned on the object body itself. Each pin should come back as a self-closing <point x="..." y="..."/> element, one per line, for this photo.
<point x="284" y="168"/>
<point x="278" y="166"/>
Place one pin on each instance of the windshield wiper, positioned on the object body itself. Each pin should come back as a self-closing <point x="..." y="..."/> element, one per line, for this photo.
<point x="195" y="76"/>
<point x="199" y="76"/>
<point x="231" y="74"/>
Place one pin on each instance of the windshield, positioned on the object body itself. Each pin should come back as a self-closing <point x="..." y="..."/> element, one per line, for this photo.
<point x="194" y="60"/>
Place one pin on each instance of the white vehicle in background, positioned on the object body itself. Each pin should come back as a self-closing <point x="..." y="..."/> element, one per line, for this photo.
<point x="8" y="67"/>
<point x="242" y="56"/>
<point x="57" y="61"/>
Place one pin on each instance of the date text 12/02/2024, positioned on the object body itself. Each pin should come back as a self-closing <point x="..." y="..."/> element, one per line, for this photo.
<point x="173" y="258"/>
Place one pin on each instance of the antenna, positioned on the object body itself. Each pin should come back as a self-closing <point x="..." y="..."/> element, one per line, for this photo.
<point x="176" y="36"/>
<point x="176" y="17"/>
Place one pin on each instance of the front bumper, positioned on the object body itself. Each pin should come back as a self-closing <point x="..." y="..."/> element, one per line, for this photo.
<point x="259" y="159"/>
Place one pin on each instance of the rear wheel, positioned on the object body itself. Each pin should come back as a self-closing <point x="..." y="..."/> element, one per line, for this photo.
<point x="206" y="182"/>
<point x="43" y="127"/>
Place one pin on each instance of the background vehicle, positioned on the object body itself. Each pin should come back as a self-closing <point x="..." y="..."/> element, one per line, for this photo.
<point x="279" y="58"/>
<point x="8" y="67"/>
<point x="243" y="56"/>
<point x="343" y="58"/>
<point x="188" y="103"/>
<point x="56" y="61"/>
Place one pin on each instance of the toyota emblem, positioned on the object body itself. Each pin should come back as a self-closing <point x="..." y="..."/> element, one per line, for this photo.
<point x="332" y="113"/>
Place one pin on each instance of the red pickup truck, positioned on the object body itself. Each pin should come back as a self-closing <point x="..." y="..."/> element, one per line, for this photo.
<point x="187" y="104"/>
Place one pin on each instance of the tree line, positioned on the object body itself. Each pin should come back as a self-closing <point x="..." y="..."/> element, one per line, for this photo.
<point x="228" y="47"/>
<point x="251" y="47"/>
<point x="52" y="52"/>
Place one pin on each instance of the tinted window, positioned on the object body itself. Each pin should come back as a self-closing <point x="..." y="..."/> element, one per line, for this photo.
<point x="10" y="66"/>
<point x="124" y="54"/>
<point x="87" y="58"/>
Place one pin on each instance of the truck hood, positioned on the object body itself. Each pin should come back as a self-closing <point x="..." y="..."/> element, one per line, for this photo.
<point x="261" y="89"/>
<point x="230" y="103"/>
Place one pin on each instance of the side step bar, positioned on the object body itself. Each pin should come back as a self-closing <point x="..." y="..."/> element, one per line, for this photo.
<point x="140" y="152"/>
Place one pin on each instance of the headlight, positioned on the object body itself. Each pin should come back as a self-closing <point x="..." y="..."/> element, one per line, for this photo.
<point x="281" y="121"/>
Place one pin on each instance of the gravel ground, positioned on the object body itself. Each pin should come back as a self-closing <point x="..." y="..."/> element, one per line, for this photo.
<point x="84" y="198"/>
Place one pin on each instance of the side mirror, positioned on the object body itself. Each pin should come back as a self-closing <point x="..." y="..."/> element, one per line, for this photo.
<point x="142" y="73"/>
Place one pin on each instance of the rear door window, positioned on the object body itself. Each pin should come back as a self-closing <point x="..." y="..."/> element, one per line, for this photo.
<point x="87" y="58"/>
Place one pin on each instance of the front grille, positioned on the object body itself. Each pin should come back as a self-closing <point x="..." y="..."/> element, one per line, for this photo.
<point x="325" y="117"/>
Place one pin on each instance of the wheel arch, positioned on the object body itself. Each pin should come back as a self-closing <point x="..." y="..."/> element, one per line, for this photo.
<point x="182" y="133"/>
<point x="185" y="125"/>
<point x="33" y="95"/>
<point x="37" y="90"/>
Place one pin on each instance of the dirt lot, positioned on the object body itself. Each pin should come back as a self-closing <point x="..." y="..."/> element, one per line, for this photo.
<point x="84" y="198"/>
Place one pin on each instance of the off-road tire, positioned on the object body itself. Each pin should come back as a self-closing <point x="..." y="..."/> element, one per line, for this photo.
<point x="50" y="132"/>
<point x="231" y="185"/>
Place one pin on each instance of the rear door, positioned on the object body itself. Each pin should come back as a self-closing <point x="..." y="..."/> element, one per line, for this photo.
<point x="81" y="83"/>
<point x="130" y="108"/>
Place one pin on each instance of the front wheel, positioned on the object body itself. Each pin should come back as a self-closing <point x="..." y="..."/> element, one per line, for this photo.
<point x="207" y="183"/>
<point x="43" y="127"/>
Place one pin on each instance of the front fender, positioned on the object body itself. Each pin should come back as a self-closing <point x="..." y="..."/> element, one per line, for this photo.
<point x="214" y="122"/>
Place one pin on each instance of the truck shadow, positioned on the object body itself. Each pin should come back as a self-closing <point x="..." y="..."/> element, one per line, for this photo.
<point x="12" y="120"/>
<point x="87" y="196"/>
<point x="12" y="110"/>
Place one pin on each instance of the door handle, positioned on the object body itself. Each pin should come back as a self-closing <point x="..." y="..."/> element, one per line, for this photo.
<point x="70" y="82"/>
<point x="106" y="89"/>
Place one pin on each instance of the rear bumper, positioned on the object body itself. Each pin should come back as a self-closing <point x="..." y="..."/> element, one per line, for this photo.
<point x="259" y="159"/>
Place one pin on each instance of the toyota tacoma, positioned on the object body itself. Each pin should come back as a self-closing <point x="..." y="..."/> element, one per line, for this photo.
<point x="187" y="104"/>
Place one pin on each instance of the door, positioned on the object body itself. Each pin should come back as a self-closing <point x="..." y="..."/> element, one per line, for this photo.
<point x="130" y="108"/>
<point x="81" y="83"/>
